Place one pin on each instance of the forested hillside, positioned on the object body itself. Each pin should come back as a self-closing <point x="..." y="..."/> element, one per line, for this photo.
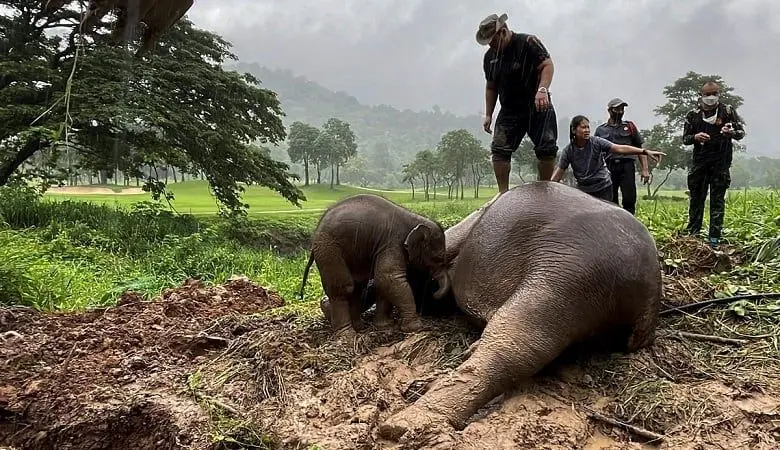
<point x="386" y="136"/>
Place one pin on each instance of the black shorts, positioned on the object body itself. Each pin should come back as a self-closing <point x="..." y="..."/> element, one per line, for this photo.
<point x="512" y="126"/>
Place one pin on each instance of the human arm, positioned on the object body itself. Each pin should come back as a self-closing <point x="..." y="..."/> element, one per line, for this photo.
<point x="560" y="168"/>
<point x="638" y="141"/>
<point x="631" y="150"/>
<point x="557" y="174"/>
<point x="546" y="68"/>
<point x="491" y="93"/>
<point x="690" y="133"/>
<point x="738" y="129"/>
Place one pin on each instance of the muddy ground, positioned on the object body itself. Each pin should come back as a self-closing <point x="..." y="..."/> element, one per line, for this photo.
<point x="210" y="367"/>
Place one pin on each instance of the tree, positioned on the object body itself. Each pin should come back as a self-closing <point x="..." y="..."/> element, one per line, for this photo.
<point x="429" y="164"/>
<point x="456" y="148"/>
<point x="479" y="162"/>
<point x="345" y="139"/>
<point x="524" y="158"/>
<point x="661" y="138"/>
<point x="410" y="172"/>
<point x="328" y="151"/>
<point x="176" y="107"/>
<point x="301" y="146"/>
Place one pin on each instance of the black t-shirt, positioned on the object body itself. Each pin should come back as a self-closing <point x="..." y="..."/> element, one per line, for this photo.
<point x="515" y="71"/>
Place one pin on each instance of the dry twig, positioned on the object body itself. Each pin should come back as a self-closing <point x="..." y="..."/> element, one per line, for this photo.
<point x="631" y="428"/>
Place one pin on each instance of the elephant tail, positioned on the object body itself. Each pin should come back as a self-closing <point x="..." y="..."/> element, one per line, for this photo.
<point x="306" y="273"/>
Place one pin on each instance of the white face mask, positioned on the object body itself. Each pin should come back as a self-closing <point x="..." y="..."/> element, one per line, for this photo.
<point x="710" y="100"/>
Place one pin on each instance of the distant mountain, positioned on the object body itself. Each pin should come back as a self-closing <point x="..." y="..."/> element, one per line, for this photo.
<point x="382" y="131"/>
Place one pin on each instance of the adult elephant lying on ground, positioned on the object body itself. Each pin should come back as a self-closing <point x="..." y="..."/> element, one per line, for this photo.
<point x="542" y="267"/>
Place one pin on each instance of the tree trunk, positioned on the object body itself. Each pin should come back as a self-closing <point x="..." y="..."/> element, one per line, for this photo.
<point x="306" y="171"/>
<point x="332" y="175"/>
<point x="338" y="182"/>
<point x="668" y="173"/>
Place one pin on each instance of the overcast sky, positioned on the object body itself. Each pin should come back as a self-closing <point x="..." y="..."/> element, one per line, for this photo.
<point x="419" y="53"/>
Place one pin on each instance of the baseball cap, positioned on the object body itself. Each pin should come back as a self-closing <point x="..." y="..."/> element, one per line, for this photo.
<point x="615" y="102"/>
<point x="489" y="27"/>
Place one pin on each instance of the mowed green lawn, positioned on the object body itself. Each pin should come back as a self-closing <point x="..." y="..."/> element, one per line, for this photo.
<point x="194" y="197"/>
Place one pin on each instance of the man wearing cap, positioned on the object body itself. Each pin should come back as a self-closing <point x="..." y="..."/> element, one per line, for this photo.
<point x="622" y="168"/>
<point x="518" y="72"/>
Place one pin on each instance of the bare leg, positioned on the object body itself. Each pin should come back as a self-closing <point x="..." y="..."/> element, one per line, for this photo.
<point x="545" y="169"/>
<point x="502" y="170"/>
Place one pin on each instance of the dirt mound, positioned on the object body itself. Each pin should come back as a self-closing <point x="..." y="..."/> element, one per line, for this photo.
<point x="108" y="378"/>
<point x="687" y="262"/>
<point x="198" y="369"/>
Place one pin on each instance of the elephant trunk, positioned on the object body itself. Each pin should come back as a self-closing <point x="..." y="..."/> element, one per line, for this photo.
<point x="443" y="278"/>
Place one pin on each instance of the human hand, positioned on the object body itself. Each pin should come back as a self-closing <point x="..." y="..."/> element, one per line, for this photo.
<point x="701" y="137"/>
<point x="486" y="123"/>
<point x="727" y="130"/>
<point x="655" y="155"/>
<point x="645" y="176"/>
<point x="542" y="101"/>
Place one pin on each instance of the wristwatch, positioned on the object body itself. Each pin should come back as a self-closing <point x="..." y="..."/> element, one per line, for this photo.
<point x="543" y="89"/>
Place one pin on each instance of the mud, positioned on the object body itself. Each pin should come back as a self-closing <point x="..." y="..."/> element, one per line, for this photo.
<point x="222" y="367"/>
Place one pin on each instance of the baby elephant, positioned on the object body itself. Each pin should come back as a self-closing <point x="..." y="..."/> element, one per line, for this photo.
<point x="367" y="236"/>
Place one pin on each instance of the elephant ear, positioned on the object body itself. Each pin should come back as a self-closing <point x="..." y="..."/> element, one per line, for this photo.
<point x="416" y="240"/>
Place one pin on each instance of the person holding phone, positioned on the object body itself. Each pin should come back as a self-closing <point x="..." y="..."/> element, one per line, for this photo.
<point x="710" y="129"/>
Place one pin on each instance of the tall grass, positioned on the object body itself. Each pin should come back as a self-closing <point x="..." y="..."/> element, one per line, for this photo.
<point x="70" y="254"/>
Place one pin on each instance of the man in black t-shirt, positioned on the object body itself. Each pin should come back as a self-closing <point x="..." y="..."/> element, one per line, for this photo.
<point x="710" y="128"/>
<point x="518" y="72"/>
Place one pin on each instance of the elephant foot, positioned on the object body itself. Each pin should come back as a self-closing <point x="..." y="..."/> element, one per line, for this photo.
<point x="383" y="324"/>
<point x="419" y="425"/>
<point x="346" y="335"/>
<point x="412" y="325"/>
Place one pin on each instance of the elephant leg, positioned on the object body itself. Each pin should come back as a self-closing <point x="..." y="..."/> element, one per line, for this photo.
<point x="393" y="289"/>
<point x="356" y="308"/>
<point x="521" y="338"/>
<point x="339" y="286"/>
<point x="383" y="319"/>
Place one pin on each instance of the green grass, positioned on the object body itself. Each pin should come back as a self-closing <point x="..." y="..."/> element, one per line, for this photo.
<point x="194" y="197"/>
<point x="62" y="253"/>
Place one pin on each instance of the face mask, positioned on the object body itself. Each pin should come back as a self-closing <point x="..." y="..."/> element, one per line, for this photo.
<point x="710" y="100"/>
<point x="616" y="116"/>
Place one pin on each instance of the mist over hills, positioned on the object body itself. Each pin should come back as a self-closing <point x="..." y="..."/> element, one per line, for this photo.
<point x="401" y="133"/>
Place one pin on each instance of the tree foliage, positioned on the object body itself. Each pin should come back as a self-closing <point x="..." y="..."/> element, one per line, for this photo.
<point x="458" y="156"/>
<point x="175" y="107"/>
<point x="300" y="145"/>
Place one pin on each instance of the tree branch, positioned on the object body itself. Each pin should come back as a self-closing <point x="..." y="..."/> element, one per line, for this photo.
<point x="8" y="168"/>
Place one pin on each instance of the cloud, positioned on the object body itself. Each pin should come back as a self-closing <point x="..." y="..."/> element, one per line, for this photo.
<point x="419" y="53"/>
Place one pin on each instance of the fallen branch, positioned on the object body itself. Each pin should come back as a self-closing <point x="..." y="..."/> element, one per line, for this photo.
<point x="718" y="301"/>
<point x="598" y="416"/>
<point x="709" y="338"/>
<point x="631" y="428"/>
